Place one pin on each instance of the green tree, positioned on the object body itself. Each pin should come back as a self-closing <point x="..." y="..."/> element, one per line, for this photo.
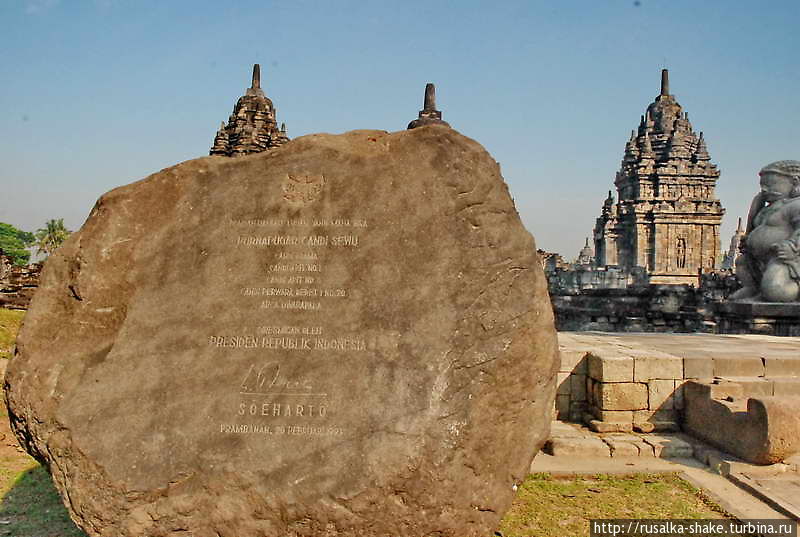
<point x="49" y="238"/>
<point x="13" y="242"/>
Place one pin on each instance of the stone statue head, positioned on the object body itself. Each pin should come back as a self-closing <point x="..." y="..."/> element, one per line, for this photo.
<point x="780" y="180"/>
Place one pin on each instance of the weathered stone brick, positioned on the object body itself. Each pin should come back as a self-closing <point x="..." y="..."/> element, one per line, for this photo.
<point x="609" y="427"/>
<point x="577" y="447"/>
<point x="660" y="394"/>
<point x="576" y="411"/>
<point x="573" y="360"/>
<point x="614" y="416"/>
<point x="622" y="395"/>
<point x="607" y="367"/>
<point x="622" y="447"/>
<point x="656" y="365"/>
<point x="668" y="446"/>
<point x="654" y="415"/>
<point x="699" y="367"/>
<point x="752" y="386"/>
<point x="786" y="386"/>
<point x="783" y="366"/>
<point x="578" y="387"/>
<point x="738" y="366"/>
<point x="677" y="395"/>
<point x="562" y="407"/>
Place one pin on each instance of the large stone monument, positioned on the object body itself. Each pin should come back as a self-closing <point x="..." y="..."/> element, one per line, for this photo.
<point x="346" y="336"/>
<point x="667" y="217"/>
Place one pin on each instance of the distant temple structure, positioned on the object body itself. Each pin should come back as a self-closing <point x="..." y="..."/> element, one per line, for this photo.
<point x="734" y="251"/>
<point x="252" y="126"/>
<point x="585" y="256"/>
<point x="667" y="216"/>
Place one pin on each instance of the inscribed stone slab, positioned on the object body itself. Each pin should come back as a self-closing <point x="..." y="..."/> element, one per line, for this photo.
<point x="347" y="335"/>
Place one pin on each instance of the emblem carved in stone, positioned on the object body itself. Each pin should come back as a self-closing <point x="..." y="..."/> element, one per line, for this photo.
<point x="303" y="189"/>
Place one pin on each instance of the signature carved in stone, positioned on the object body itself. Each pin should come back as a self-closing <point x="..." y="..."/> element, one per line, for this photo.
<point x="267" y="380"/>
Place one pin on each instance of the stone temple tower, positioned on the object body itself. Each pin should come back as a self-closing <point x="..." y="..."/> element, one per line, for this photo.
<point x="666" y="219"/>
<point x="252" y="126"/>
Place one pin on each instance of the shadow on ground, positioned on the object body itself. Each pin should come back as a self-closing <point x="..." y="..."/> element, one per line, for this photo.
<point x="33" y="508"/>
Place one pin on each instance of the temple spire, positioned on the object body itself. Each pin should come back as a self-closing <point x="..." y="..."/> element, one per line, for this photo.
<point x="429" y="105"/>
<point x="256" y="76"/>
<point x="664" y="82"/>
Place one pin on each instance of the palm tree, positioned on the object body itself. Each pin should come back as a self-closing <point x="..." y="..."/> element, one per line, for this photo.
<point x="51" y="236"/>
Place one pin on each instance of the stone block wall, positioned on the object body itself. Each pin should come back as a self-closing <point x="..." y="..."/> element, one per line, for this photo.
<point x="633" y="390"/>
<point x="671" y="308"/>
<point x="571" y="395"/>
<point x="652" y="308"/>
<point x="636" y="382"/>
<point x="17" y="284"/>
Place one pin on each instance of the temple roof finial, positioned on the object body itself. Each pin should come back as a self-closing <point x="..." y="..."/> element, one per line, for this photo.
<point x="256" y="76"/>
<point x="664" y="82"/>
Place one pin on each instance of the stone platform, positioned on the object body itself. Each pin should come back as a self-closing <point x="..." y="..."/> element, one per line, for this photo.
<point x="628" y="382"/>
<point x="758" y="317"/>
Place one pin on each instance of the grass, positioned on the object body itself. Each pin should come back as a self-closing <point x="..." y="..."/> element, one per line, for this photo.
<point x="549" y="507"/>
<point x="9" y="326"/>
<point x="33" y="508"/>
<point x="544" y="506"/>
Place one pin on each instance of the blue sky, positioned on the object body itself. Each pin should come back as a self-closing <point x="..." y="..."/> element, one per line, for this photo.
<point x="100" y="93"/>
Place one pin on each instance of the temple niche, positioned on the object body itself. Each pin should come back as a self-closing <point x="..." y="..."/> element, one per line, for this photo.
<point x="252" y="126"/>
<point x="666" y="218"/>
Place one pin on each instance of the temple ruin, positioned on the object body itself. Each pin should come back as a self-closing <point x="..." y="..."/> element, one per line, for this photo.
<point x="666" y="219"/>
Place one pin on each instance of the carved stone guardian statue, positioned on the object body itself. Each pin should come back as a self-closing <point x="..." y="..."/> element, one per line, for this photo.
<point x="769" y="267"/>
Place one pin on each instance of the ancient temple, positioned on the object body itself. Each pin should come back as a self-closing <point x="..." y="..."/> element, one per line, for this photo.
<point x="252" y="126"/>
<point x="666" y="219"/>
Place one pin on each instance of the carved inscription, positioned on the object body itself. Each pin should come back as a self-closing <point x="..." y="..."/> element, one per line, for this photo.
<point x="296" y="430"/>
<point x="292" y="278"/>
<point x="343" y="343"/>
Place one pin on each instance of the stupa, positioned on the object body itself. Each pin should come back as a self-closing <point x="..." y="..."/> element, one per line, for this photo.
<point x="251" y="127"/>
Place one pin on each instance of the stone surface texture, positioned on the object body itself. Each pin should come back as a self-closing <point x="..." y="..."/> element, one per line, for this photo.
<point x="348" y="335"/>
<point x="667" y="216"/>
